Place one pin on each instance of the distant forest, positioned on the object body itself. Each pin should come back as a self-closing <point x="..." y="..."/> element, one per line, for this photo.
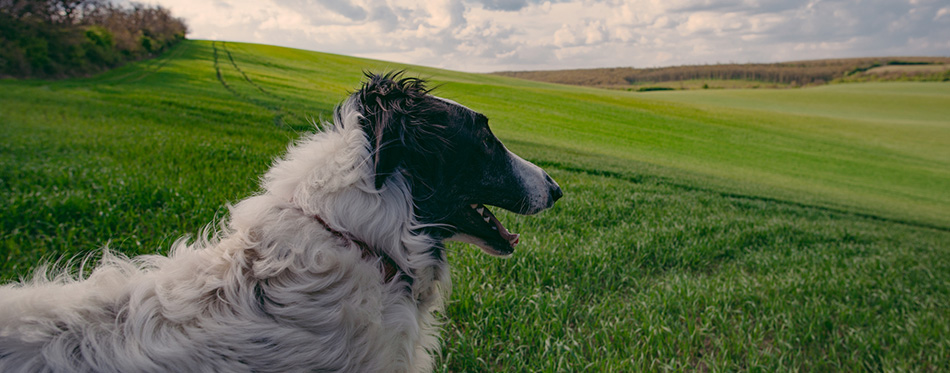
<point x="786" y="74"/>
<point x="61" y="38"/>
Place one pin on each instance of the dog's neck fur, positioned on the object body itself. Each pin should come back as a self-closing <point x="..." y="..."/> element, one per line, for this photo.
<point x="389" y="268"/>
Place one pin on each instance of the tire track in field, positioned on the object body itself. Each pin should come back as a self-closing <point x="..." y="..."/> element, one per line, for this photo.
<point x="224" y="47"/>
<point x="238" y="68"/>
<point x="277" y="110"/>
<point x="164" y="61"/>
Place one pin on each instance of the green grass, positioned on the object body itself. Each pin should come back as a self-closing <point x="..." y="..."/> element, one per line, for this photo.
<point x="625" y="276"/>
<point x="760" y="230"/>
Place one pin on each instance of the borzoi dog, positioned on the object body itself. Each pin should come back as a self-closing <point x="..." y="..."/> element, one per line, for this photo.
<point x="337" y="265"/>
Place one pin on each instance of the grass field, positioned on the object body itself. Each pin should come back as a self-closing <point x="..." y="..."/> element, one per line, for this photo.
<point x="765" y="230"/>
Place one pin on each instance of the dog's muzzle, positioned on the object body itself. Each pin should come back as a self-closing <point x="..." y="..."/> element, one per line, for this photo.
<point x="540" y="190"/>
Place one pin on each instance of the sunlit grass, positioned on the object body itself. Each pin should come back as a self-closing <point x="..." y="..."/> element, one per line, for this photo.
<point x="625" y="276"/>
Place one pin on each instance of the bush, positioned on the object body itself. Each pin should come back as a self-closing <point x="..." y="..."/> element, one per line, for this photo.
<point x="100" y="47"/>
<point x="651" y="89"/>
<point x="58" y="38"/>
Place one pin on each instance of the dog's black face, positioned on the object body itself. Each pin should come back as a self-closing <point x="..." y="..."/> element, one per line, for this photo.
<point x="455" y="166"/>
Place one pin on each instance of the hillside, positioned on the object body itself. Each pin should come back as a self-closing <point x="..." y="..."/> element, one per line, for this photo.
<point x="770" y="75"/>
<point x="725" y="230"/>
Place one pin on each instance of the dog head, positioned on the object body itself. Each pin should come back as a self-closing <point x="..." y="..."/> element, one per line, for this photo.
<point x="454" y="165"/>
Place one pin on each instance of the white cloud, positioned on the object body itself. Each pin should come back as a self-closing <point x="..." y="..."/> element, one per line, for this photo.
<point x="566" y="36"/>
<point x="491" y="35"/>
<point x="943" y="12"/>
<point x="595" y="33"/>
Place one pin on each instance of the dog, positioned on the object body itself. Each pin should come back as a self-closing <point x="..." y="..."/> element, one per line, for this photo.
<point x="338" y="264"/>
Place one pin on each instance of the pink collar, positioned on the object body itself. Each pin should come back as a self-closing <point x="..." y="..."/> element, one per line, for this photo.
<point x="389" y="268"/>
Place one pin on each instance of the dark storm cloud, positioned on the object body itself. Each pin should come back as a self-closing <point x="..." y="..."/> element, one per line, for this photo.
<point x="511" y="5"/>
<point x="506" y="5"/>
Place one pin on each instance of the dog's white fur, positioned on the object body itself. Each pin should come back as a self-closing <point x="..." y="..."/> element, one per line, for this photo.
<point x="274" y="291"/>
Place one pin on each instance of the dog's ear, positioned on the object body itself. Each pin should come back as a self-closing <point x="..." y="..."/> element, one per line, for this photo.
<point x="389" y="148"/>
<point x="400" y="122"/>
<point x="384" y="102"/>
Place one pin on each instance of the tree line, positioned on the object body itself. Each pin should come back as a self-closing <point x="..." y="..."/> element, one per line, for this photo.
<point x="60" y="38"/>
<point x="799" y="73"/>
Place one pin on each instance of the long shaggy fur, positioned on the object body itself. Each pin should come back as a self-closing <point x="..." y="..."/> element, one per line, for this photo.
<point x="273" y="291"/>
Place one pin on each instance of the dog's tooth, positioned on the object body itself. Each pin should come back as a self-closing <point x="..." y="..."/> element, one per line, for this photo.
<point x="487" y="219"/>
<point x="474" y="205"/>
<point x="481" y="210"/>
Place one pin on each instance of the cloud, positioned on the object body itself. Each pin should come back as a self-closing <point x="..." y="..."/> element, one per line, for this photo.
<point x="587" y="33"/>
<point x="506" y="5"/>
<point x="491" y="35"/>
<point x="346" y="9"/>
<point x="942" y="13"/>
<point x="511" y="5"/>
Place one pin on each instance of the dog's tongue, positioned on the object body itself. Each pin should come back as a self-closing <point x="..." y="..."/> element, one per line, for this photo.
<point x="512" y="238"/>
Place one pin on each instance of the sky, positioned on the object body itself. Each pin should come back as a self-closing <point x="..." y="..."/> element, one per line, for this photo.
<point x="504" y="35"/>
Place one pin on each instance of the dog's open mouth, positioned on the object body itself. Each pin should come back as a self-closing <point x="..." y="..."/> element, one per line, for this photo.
<point x="481" y="228"/>
<point x="496" y="225"/>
